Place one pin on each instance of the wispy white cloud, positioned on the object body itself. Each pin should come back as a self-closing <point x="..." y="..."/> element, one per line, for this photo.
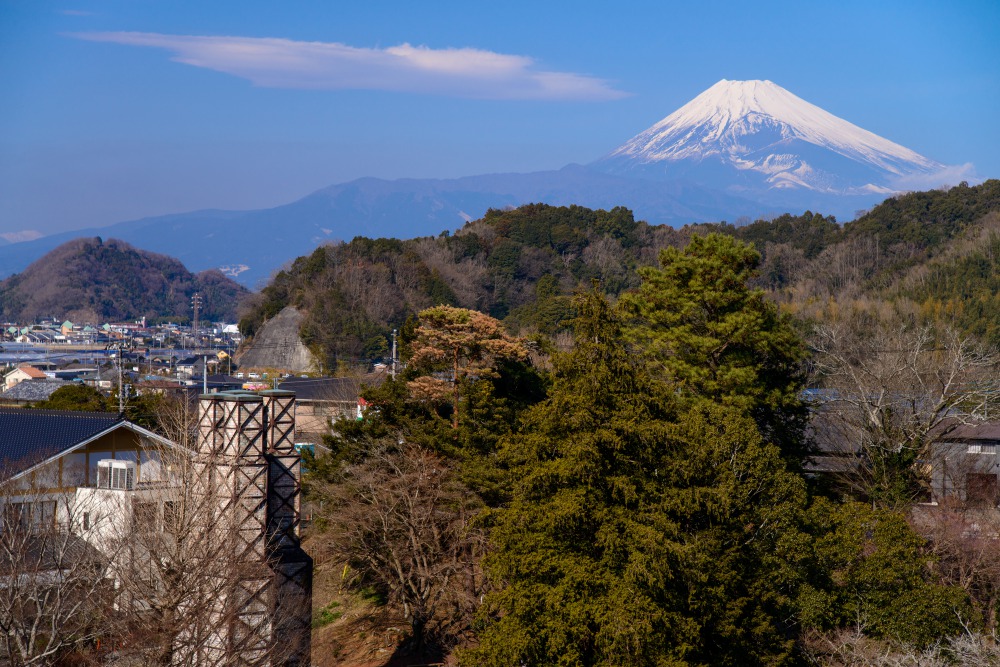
<point x="946" y="176"/>
<point x="285" y="63"/>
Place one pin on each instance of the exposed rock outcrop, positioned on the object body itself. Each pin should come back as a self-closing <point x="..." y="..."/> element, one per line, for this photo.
<point x="277" y="345"/>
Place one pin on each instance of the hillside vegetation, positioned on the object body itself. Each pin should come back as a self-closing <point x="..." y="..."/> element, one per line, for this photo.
<point x="931" y="251"/>
<point x="91" y="280"/>
<point x="520" y="265"/>
<point x="931" y="255"/>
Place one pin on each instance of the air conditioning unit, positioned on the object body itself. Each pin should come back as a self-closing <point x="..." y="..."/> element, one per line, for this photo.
<point x="116" y="474"/>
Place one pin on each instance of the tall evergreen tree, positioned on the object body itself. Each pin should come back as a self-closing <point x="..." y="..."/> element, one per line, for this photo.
<point x="700" y="322"/>
<point x="642" y="531"/>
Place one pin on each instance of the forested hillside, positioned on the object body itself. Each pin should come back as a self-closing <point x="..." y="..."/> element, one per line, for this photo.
<point x="91" y="280"/>
<point x="519" y="265"/>
<point x="931" y="254"/>
<point x="931" y="250"/>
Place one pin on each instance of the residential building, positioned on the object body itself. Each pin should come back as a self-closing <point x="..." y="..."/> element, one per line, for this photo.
<point x="965" y="464"/>
<point x="20" y="374"/>
<point x="322" y="401"/>
<point x="31" y="391"/>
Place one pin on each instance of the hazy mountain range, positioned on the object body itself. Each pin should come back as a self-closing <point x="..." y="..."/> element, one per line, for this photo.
<point x="740" y="149"/>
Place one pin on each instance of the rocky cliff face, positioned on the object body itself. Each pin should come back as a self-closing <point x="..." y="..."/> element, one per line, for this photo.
<point x="277" y="345"/>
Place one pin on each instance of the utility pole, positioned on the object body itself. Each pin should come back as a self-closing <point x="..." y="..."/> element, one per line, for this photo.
<point x="117" y="348"/>
<point x="196" y="304"/>
<point x="392" y="368"/>
<point x="121" y="383"/>
<point x="204" y="375"/>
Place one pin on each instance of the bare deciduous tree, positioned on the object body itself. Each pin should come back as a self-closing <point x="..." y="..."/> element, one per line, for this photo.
<point x="891" y="390"/>
<point x="853" y="649"/>
<point x="402" y="519"/>
<point x="965" y="540"/>
<point x="156" y="575"/>
<point x="181" y="579"/>
<point x="56" y="593"/>
<point x="176" y="416"/>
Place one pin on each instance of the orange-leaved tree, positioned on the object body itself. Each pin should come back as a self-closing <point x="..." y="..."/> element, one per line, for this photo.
<point x="468" y="341"/>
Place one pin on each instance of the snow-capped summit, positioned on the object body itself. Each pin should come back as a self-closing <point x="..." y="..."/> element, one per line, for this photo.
<point x="755" y="137"/>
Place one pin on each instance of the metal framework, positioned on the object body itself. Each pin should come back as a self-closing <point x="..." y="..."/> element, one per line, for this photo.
<point x="247" y="475"/>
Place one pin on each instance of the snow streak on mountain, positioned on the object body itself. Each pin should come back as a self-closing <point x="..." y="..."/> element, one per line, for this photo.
<point x="751" y="137"/>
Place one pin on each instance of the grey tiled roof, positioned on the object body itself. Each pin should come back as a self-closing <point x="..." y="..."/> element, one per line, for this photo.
<point x="51" y="551"/>
<point x="32" y="390"/>
<point x="331" y="389"/>
<point x="28" y="437"/>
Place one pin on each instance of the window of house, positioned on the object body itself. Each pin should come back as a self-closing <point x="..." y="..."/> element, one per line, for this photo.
<point x="979" y="448"/>
<point x="40" y="515"/>
<point x="16" y="516"/>
<point x="74" y="469"/>
<point x="86" y="520"/>
<point x="44" y="477"/>
<point x="144" y="516"/>
<point x="43" y="515"/>
<point x="127" y="455"/>
<point x="150" y="466"/>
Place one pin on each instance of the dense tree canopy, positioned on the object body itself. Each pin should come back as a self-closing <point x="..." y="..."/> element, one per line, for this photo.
<point x="646" y="502"/>
<point x="698" y="320"/>
<point x="643" y="530"/>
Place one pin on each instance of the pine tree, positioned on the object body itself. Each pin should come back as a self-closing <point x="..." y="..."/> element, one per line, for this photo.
<point x="700" y="322"/>
<point x="642" y="531"/>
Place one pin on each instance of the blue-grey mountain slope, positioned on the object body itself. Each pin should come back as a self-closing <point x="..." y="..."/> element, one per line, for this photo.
<point x="251" y="245"/>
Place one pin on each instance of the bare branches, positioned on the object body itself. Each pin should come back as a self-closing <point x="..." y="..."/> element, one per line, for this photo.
<point x="965" y="541"/>
<point x="854" y="649"/>
<point x="55" y="588"/>
<point x="402" y="519"/>
<point x="890" y="390"/>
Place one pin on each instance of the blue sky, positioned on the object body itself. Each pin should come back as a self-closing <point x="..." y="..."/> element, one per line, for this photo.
<point x="122" y="109"/>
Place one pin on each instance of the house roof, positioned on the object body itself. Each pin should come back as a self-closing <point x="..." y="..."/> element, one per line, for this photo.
<point x="331" y="389"/>
<point x="28" y="437"/>
<point x="31" y="371"/>
<point x="32" y="390"/>
<point x="41" y="552"/>
<point x="987" y="430"/>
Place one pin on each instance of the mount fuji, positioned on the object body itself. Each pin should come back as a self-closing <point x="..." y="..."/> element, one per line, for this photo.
<point x="756" y="140"/>
<point x="740" y="149"/>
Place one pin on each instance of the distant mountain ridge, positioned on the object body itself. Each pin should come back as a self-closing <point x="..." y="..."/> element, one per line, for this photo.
<point x="251" y="245"/>
<point x="741" y="149"/>
<point x="92" y="280"/>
